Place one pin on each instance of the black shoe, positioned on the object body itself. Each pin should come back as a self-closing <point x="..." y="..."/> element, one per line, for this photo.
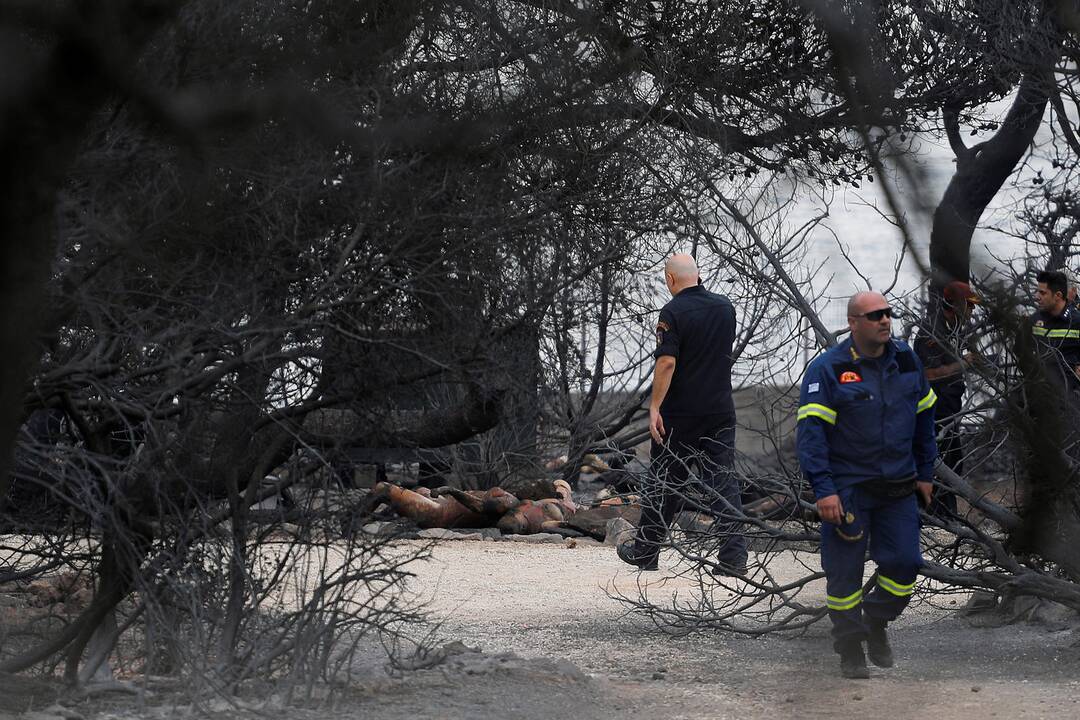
<point x="720" y="569"/>
<point x="877" y="644"/>
<point x="628" y="553"/>
<point x="852" y="660"/>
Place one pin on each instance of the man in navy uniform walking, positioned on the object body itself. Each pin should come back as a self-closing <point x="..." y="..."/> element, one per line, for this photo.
<point x="866" y="445"/>
<point x="691" y="421"/>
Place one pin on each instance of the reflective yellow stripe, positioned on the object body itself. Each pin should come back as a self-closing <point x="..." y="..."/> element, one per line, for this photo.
<point x="1060" y="333"/>
<point x="927" y="402"/>
<point x="835" y="603"/>
<point x="1040" y="331"/>
<point x="819" y="411"/>
<point x="894" y="587"/>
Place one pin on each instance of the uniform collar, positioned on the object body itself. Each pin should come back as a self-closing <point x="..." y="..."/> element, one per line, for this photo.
<point x="847" y="349"/>
<point x="1065" y="313"/>
<point x="1045" y="315"/>
<point x="690" y="290"/>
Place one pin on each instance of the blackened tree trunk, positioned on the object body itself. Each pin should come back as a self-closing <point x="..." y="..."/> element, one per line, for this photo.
<point x="42" y="124"/>
<point x="981" y="170"/>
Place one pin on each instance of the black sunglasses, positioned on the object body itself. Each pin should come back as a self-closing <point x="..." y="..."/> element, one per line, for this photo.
<point x="876" y="315"/>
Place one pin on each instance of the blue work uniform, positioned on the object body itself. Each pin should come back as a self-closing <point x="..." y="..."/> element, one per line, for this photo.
<point x="1057" y="340"/>
<point x="697" y="328"/>
<point x="866" y="433"/>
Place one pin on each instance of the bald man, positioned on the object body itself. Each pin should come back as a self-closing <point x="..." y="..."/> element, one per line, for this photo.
<point x="691" y="421"/>
<point x="866" y="446"/>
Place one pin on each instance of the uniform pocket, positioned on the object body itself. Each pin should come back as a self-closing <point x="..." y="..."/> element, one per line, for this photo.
<point x="858" y="414"/>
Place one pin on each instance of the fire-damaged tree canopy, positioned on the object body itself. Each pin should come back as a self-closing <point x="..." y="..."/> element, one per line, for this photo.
<point x="390" y="193"/>
<point x="221" y="218"/>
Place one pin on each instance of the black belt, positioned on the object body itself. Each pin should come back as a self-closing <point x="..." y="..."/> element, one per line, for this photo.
<point x="890" y="488"/>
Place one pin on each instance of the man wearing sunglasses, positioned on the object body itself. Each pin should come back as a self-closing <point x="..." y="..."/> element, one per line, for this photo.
<point x="866" y="445"/>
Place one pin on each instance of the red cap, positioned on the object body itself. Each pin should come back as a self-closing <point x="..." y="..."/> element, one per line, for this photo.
<point x="959" y="289"/>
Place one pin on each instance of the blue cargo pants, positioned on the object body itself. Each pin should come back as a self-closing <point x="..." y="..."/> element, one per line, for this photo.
<point x="890" y="527"/>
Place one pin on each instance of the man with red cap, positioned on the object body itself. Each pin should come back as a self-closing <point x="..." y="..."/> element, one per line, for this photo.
<point x="941" y="347"/>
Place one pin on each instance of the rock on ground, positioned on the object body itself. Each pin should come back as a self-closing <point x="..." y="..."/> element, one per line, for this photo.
<point x="536" y="538"/>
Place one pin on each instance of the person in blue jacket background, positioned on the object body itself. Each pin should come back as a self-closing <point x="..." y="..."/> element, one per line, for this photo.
<point x="866" y="445"/>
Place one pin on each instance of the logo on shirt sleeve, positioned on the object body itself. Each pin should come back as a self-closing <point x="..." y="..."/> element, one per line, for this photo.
<point x="661" y="328"/>
<point x="812" y="388"/>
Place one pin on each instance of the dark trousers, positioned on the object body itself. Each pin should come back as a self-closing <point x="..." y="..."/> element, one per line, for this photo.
<point x="708" y="443"/>
<point x="951" y="450"/>
<point x="891" y="529"/>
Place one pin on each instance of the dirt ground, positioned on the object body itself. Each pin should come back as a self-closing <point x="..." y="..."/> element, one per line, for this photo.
<point x="555" y="645"/>
<point x="549" y="603"/>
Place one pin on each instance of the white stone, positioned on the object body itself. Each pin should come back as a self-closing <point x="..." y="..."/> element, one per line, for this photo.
<point x="435" y="534"/>
<point x="537" y="538"/>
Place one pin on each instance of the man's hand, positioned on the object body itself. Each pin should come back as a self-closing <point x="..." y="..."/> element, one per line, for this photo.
<point x="830" y="509"/>
<point x="975" y="359"/>
<point x="926" y="491"/>
<point x="662" y="374"/>
<point x="656" y="426"/>
<point x="944" y="371"/>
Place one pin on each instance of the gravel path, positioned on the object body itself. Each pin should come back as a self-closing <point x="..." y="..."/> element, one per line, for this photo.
<point x="547" y="604"/>
<point x="556" y="646"/>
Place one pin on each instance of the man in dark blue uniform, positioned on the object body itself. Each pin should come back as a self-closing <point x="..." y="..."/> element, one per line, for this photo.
<point x="1055" y="327"/>
<point x="941" y="346"/>
<point x="691" y="420"/>
<point x="866" y="445"/>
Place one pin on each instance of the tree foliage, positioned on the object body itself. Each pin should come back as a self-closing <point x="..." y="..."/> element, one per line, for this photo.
<point x="242" y="236"/>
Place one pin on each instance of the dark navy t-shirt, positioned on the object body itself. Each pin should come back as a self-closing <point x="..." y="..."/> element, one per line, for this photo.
<point x="697" y="328"/>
